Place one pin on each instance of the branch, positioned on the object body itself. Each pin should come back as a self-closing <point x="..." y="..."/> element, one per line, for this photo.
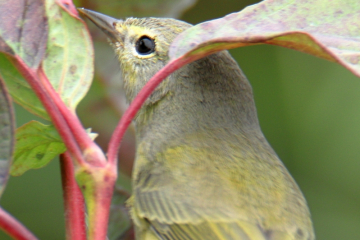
<point x="97" y="186"/>
<point x="51" y="108"/>
<point x="13" y="227"/>
<point x="77" y="129"/>
<point x="73" y="201"/>
<point x="136" y="104"/>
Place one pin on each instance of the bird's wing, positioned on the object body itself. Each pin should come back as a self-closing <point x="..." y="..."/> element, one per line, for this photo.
<point x="208" y="230"/>
<point x="187" y="199"/>
<point x="168" y="221"/>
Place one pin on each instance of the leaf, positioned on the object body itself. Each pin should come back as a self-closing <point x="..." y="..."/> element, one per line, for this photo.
<point x="6" y="135"/>
<point x="140" y="8"/>
<point x="69" y="58"/>
<point x="68" y="62"/>
<point x="329" y="29"/>
<point x="23" y="30"/>
<point x="19" y="89"/>
<point x="23" y="33"/>
<point x="36" y="145"/>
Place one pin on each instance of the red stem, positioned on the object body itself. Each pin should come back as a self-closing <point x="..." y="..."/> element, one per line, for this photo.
<point x="97" y="185"/>
<point x="78" y="131"/>
<point x="51" y="108"/>
<point x="136" y="104"/>
<point x="99" y="215"/>
<point x="73" y="201"/>
<point x="13" y="227"/>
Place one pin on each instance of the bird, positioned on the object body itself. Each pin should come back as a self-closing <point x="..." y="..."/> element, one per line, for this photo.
<point x="203" y="168"/>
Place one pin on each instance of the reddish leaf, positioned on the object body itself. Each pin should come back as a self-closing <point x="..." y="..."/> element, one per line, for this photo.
<point x="7" y="125"/>
<point x="329" y="29"/>
<point x="68" y="62"/>
<point x="68" y="6"/>
<point x="23" y="30"/>
<point x="139" y="8"/>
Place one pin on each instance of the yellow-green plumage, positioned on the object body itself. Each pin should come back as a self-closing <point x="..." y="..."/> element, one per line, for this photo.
<point x="203" y="168"/>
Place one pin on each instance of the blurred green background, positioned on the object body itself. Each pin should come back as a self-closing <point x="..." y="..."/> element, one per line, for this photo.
<point x="309" y="110"/>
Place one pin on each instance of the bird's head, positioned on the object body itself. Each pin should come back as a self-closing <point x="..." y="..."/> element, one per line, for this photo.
<point x="141" y="45"/>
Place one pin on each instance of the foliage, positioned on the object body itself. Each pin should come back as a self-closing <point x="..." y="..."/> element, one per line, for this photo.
<point x="46" y="61"/>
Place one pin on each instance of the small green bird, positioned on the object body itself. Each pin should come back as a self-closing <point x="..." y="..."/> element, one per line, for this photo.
<point x="203" y="168"/>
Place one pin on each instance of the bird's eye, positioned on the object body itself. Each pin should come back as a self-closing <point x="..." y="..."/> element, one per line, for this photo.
<point x="145" y="45"/>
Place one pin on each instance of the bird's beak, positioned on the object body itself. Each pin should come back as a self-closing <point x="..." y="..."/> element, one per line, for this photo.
<point x="105" y="23"/>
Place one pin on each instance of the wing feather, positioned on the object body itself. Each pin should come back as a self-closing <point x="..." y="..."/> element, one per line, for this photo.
<point x="182" y="198"/>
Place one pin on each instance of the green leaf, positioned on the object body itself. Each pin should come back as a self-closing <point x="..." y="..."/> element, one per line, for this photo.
<point x="329" y="29"/>
<point x="23" y="30"/>
<point x="19" y="89"/>
<point x="36" y="145"/>
<point x="6" y="135"/>
<point x="69" y="58"/>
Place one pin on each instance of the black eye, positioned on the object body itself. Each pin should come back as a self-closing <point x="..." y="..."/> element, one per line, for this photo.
<point x="145" y="45"/>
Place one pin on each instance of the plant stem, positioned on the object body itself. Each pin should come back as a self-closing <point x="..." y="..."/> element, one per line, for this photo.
<point x="51" y="108"/>
<point x="13" y="227"/>
<point x="95" y="156"/>
<point x="73" y="201"/>
<point x="94" y="175"/>
<point x="136" y="105"/>
<point x="97" y="186"/>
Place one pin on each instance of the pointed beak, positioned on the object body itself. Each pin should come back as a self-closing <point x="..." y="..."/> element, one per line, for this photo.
<point x="105" y="23"/>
